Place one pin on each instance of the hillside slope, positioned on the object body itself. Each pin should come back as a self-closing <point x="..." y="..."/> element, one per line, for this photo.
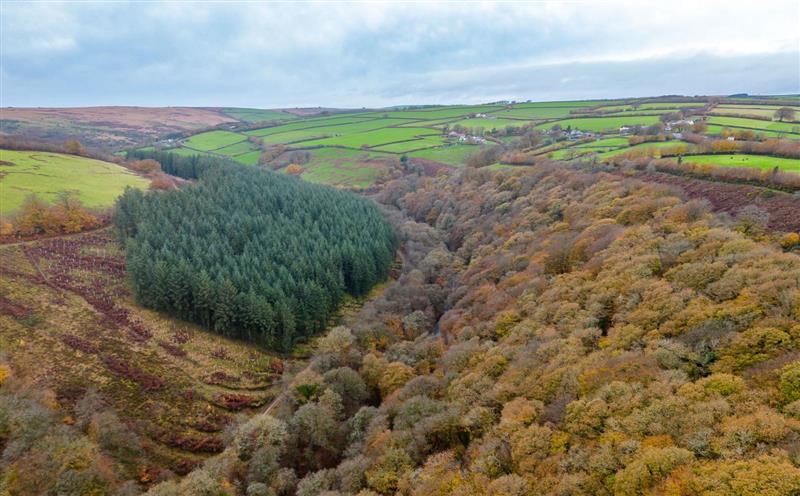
<point x="555" y="331"/>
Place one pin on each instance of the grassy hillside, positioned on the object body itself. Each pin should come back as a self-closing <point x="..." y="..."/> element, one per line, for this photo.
<point x="745" y="160"/>
<point x="69" y="324"/>
<point x="425" y="133"/>
<point x="97" y="183"/>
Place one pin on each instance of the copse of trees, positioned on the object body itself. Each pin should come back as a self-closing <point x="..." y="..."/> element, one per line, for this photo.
<point x="249" y="253"/>
<point x="186" y="167"/>
<point x="785" y="114"/>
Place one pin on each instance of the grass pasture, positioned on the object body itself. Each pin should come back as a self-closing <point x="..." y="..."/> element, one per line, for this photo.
<point x="236" y="148"/>
<point x="456" y="155"/>
<point x="605" y="143"/>
<point x="756" y="124"/>
<point x="744" y="160"/>
<point x="566" y="103"/>
<point x="97" y="183"/>
<point x="534" y="113"/>
<point x="439" y="112"/>
<point x="212" y="140"/>
<point x="257" y="115"/>
<point x="305" y="124"/>
<point x="249" y="158"/>
<point x="376" y="137"/>
<point x="489" y="123"/>
<point x="652" y="106"/>
<point x="768" y="112"/>
<point x="344" y="167"/>
<point x="652" y="145"/>
<point x="601" y="124"/>
<point x="345" y="146"/>
<point x="411" y="145"/>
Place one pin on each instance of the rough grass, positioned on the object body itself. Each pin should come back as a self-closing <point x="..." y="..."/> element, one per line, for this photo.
<point x="82" y="330"/>
<point x="97" y="183"/>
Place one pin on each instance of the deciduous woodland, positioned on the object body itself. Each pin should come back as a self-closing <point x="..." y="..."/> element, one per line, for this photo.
<point x="252" y="254"/>
<point x="554" y="331"/>
<point x="562" y="328"/>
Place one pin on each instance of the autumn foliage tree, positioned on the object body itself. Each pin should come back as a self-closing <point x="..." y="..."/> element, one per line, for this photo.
<point x="66" y="215"/>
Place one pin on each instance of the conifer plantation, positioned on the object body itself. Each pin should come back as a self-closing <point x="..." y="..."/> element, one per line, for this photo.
<point x="252" y="254"/>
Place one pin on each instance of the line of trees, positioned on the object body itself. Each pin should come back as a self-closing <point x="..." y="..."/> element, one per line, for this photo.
<point x="249" y="253"/>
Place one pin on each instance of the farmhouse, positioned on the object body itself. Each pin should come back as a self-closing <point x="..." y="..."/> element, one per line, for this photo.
<point x="680" y="124"/>
<point x="575" y="134"/>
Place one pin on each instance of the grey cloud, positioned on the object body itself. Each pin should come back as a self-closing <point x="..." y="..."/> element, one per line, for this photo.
<point x="273" y="55"/>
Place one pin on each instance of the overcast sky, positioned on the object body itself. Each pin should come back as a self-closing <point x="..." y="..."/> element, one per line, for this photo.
<point x="253" y="54"/>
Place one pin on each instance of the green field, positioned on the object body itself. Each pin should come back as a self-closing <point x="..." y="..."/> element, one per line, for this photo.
<point x="342" y="167"/>
<point x="352" y="149"/>
<point x="714" y="129"/>
<point x="605" y="142"/>
<point x="376" y="137"/>
<point x="743" y="160"/>
<point x="411" y="145"/>
<point x="451" y="155"/>
<point x="658" y="112"/>
<point x="249" y="158"/>
<point x="439" y="112"/>
<point x="653" y="106"/>
<point x="570" y="103"/>
<point x="212" y="140"/>
<point x="334" y="130"/>
<point x="644" y="146"/>
<point x="236" y="148"/>
<point x="97" y="183"/>
<point x="751" y="110"/>
<point x="599" y="124"/>
<point x="257" y="115"/>
<point x="306" y="124"/>
<point x="489" y="124"/>
<point x="756" y="124"/>
<point x="534" y="113"/>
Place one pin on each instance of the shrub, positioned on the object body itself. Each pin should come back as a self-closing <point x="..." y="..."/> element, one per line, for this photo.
<point x="385" y="475"/>
<point x="789" y="385"/>
<point x="394" y="377"/>
<point x="649" y="467"/>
